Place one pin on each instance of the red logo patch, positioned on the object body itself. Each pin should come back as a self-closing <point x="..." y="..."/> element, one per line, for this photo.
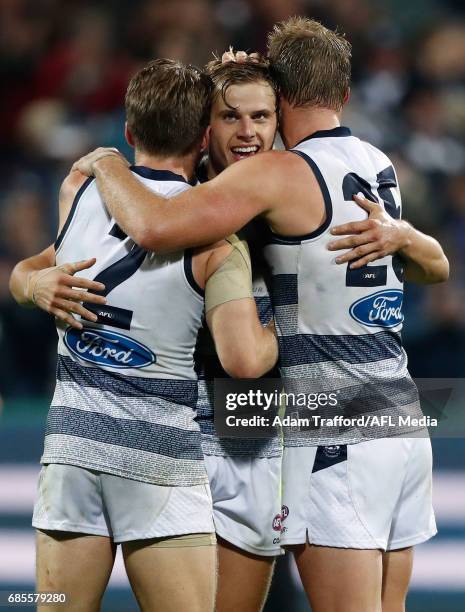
<point x="277" y="523"/>
<point x="279" y="518"/>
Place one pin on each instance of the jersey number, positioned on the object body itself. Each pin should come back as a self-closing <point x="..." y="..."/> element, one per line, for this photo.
<point x="373" y="276"/>
<point x="113" y="276"/>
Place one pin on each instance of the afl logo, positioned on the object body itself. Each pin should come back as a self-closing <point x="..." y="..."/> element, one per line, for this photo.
<point x="279" y="518"/>
<point x="381" y="309"/>
<point x="106" y="348"/>
<point x="277" y="523"/>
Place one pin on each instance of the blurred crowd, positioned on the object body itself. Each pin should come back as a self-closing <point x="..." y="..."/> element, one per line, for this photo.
<point x="64" y="68"/>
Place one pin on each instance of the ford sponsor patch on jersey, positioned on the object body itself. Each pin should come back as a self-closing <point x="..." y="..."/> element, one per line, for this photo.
<point x="381" y="309"/>
<point x="107" y="348"/>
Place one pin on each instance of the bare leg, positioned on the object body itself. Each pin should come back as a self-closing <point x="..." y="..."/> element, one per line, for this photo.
<point x="243" y="579"/>
<point x="397" y="570"/>
<point x="340" y="579"/>
<point x="78" y="565"/>
<point x="171" y="579"/>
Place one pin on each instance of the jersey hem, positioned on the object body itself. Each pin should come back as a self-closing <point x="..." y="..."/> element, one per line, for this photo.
<point x="334" y="440"/>
<point x="245" y="454"/>
<point x="100" y="467"/>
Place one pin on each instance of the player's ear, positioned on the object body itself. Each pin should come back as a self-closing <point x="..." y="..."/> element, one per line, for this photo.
<point x="128" y="135"/>
<point x="347" y="96"/>
<point x="206" y="139"/>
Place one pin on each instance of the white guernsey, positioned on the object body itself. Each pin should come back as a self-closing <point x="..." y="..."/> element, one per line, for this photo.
<point x="126" y="386"/>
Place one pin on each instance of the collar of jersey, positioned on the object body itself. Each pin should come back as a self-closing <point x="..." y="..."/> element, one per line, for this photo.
<point x="157" y="175"/>
<point x="334" y="133"/>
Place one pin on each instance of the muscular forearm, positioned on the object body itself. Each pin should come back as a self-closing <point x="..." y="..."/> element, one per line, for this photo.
<point x="120" y="190"/>
<point x="157" y="223"/>
<point x="250" y="355"/>
<point x="244" y="347"/>
<point x="22" y="278"/>
<point x="425" y="260"/>
<point x="196" y="217"/>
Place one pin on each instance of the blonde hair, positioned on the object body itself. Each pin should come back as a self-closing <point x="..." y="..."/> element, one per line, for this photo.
<point x="254" y="69"/>
<point x="310" y="63"/>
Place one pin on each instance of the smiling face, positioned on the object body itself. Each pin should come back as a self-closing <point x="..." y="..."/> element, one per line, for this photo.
<point x="243" y="124"/>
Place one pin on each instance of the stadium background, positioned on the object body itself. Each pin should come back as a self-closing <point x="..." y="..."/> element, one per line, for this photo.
<point x="64" y="67"/>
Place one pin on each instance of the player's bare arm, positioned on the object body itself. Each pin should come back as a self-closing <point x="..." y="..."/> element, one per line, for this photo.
<point x="22" y="283"/>
<point x="269" y="184"/>
<point x="380" y="235"/>
<point x="37" y="281"/>
<point x="244" y="347"/>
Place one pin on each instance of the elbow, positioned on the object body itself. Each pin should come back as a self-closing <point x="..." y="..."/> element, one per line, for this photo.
<point x="146" y="238"/>
<point x="152" y="238"/>
<point x="441" y="273"/>
<point x="11" y="287"/>
<point x="243" y="366"/>
<point x="18" y="296"/>
<point x="445" y="271"/>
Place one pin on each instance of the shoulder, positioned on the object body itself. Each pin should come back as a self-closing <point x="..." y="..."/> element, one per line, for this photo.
<point x="71" y="186"/>
<point x="272" y="165"/>
<point x="213" y="255"/>
<point x="240" y="245"/>
<point x="277" y="163"/>
<point x="68" y="191"/>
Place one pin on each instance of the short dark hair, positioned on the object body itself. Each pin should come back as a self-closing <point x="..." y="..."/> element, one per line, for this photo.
<point x="225" y="74"/>
<point x="310" y="63"/>
<point x="168" y="107"/>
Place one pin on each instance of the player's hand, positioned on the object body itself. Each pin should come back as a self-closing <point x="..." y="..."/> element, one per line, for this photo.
<point x="57" y="291"/>
<point x="374" y="238"/>
<point x="85" y="164"/>
<point x="240" y="57"/>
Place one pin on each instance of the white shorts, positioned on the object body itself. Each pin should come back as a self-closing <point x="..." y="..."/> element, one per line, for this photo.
<point x="75" y="499"/>
<point x="376" y="494"/>
<point x="247" y="502"/>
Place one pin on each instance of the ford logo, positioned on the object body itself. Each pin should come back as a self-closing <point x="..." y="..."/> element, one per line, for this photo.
<point x="106" y="348"/>
<point x="381" y="309"/>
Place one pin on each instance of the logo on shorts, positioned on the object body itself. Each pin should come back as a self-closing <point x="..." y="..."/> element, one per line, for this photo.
<point x="279" y="518"/>
<point x="106" y="348"/>
<point x="277" y="523"/>
<point x="332" y="451"/>
<point x="381" y="309"/>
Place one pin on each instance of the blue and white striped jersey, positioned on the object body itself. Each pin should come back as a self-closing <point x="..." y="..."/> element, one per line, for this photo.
<point x="339" y="329"/>
<point x="126" y="386"/>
